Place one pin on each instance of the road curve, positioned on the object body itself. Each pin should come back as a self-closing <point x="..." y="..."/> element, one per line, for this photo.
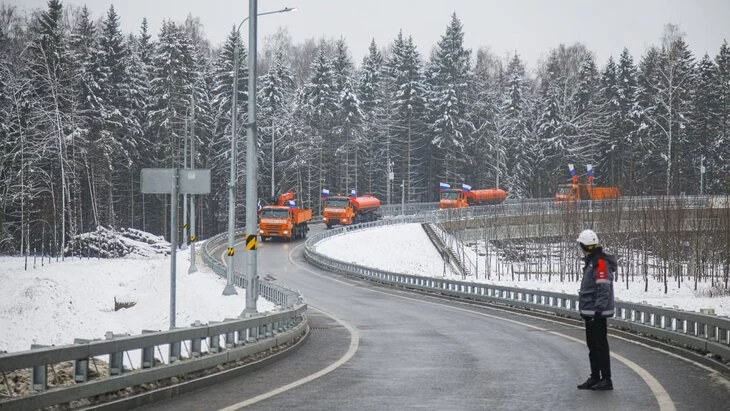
<point x="374" y="347"/>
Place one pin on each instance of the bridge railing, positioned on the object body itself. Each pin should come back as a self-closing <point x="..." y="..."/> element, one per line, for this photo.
<point x="700" y="331"/>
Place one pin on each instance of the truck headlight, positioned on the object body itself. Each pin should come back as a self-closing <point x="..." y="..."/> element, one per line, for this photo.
<point x="324" y="218"/>
<point x="261" y="231"/>
<point x="344" y="220"/>
<point x="286" y="232"/>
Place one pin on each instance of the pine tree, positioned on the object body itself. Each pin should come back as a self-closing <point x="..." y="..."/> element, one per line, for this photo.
<point x="342" y="76"/>
<point x="626" y="87"/>
<point x="373" y="165"/>
<point x="612" y="159"/>
<point x="275" y="97"/>
<point x="521" y="151"/>
<point x="450" y="125"/>
<point x="649" y="166"/>
<point x="705" y="126"/>
<point x="723" y="142"/>
<point x="219" y="149"/>
<point x="486" y="164"/>
<point x="116" y="146"/>
<point x="407" y="143"/>
<point x="318" y="107"/>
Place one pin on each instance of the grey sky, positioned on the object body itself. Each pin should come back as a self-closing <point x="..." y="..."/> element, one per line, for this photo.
<point x="531" y="28"/>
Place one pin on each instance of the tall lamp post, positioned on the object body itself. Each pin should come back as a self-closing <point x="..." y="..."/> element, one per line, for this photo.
<point x="251" y="288"/>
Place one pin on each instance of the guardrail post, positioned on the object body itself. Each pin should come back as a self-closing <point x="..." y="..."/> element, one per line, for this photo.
<point x="39" y="373"/>
<point x="214" y="341"/>
<point x="116" y="359"/>
<point x="230" y="336"/>
<point x="174" y="352"/>
<point x="81" y="366"/>
<point x="148" y="353"/>
<point x="196" y="343"/>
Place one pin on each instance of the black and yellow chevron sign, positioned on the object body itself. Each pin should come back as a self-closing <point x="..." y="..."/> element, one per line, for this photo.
<point x="250" y="242"/>
<point x="192" y="238"/>
<point x="231" y="251"/>
<point x="185" y="226"/>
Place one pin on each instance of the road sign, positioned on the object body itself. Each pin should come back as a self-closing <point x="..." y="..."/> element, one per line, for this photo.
<point x="174" y="181"/>
<point x="190" y="181"/>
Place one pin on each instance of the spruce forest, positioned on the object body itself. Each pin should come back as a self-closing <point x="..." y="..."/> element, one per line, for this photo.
<point x="84" y="107"/>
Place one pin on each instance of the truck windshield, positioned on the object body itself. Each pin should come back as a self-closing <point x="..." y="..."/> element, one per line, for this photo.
<point x="564" y="189"/>
<point x="336" y="202"/>
<point x="274" y="213"/>
<point x="450" y="195"/>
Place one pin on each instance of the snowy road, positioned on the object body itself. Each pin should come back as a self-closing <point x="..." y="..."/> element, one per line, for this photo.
<point x="417" y="352"/>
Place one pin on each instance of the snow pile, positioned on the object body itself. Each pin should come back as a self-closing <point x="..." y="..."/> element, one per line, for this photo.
<point x="107" y="243"/>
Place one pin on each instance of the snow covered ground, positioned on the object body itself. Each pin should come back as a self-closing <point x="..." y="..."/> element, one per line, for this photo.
<point x="60" y="301"/>
<point x="407" y="249"/>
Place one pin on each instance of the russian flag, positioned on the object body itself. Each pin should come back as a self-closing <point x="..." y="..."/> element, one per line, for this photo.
<point x="572" y="173"/>
<point x="292" y="204"/>
<point x="353" y="193"/>
<point x="466" y="187"/>
<point x="589" y="172"/>
<point x="443" y="186"/>
<point x="325" y="193"/>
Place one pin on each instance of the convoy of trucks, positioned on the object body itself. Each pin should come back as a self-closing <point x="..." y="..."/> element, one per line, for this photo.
<point x="465" y="197"/>
<point x="284" y="220"/>
<point x="350" y="210"/>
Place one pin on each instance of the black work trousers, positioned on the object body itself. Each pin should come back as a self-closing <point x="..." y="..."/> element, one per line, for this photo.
<point x="597" y="341"/>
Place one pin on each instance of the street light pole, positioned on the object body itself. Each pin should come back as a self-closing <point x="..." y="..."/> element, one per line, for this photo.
<point x="251" y="222"/>
<point x="252" y="285"/>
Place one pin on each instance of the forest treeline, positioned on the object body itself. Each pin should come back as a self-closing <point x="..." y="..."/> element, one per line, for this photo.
<point x="84" y="107"/>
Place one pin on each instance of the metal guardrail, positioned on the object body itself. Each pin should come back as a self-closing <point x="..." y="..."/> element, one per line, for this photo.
<point x="271" y="291"/>
<point x="708" y="333"/>
<point x="226" y="341"/>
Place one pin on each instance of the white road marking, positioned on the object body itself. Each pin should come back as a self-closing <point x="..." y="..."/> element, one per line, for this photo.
<point x="354" y="345"/>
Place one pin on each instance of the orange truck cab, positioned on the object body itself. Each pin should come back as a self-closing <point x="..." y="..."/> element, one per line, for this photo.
<point x="350" y="210"/>
<point x="579" y="192"/>
<point x="458" y="198"/>
<point x="284" y="220"/>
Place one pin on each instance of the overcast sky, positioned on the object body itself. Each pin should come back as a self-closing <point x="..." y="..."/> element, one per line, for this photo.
<point x="531" y="27"/>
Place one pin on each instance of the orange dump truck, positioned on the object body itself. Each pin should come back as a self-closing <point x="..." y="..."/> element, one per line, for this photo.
<point x="578" y="192"/>
<point x="284" y="220"/>
<point x="350" y="210"/>
<point x="459" y="198"/>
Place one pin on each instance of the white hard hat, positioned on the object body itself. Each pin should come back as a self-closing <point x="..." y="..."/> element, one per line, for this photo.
<point x="588" y="237"/>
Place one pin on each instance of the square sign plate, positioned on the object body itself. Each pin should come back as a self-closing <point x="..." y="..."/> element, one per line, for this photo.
<point x="190" y="181"/>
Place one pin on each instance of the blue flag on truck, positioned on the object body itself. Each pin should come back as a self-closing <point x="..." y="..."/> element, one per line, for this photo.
<point x="353" y="193"/>
<point x="589" y="173"/>
<point x="466" y="187"/>
<point x="572" y="173"/>
<point x="444" y="186"/>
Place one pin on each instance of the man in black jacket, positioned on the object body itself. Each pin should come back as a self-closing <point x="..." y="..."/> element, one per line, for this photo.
<point x="596" y="304"/>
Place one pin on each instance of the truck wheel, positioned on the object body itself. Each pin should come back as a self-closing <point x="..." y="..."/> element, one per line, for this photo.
<point x="329" y="226"/>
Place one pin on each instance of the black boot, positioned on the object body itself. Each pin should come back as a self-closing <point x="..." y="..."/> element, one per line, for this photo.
<point x="590" y="382"/>
<point x="603" y="385"/>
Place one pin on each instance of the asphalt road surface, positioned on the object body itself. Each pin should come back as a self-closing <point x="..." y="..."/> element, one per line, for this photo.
<point x="378" y="348"/>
